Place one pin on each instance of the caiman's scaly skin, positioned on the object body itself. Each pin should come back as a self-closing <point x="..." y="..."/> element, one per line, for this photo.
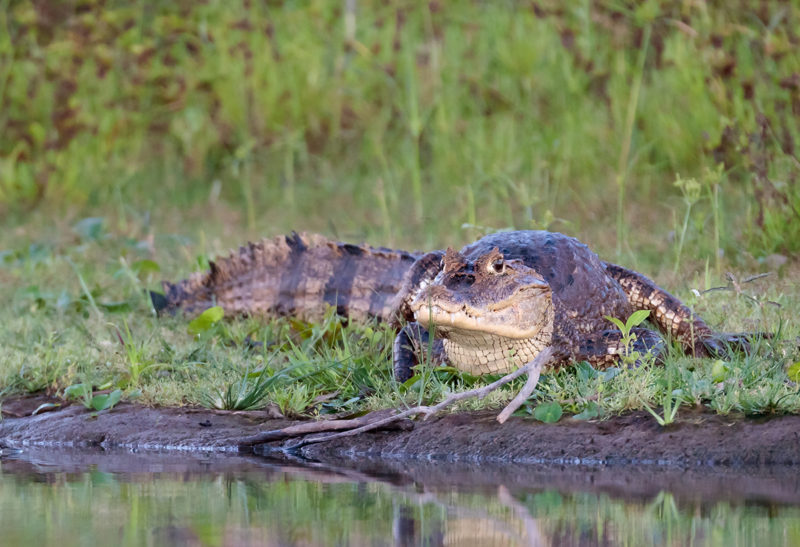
<point x="299" y="275"/>
<point x="493" y="306"/>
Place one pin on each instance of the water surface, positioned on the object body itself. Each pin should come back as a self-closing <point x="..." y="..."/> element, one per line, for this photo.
<point x="64" y="498"/>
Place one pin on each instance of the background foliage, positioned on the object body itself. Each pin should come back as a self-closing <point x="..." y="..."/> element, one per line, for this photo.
<point x="409" y="119"/>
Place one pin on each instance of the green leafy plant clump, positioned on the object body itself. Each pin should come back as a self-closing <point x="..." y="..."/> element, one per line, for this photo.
<point x="91" y="400"/>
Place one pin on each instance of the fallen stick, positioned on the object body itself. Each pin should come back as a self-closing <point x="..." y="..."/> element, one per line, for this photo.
<point x="312" y="427"/>
<point x="534" y="372"/>
<point x="369" y="422"/>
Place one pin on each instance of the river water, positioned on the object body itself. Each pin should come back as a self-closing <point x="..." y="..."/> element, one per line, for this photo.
<point x="65" y="498"/>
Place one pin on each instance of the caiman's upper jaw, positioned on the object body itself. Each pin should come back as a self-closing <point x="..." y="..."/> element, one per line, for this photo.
<point x="518" y="316"/>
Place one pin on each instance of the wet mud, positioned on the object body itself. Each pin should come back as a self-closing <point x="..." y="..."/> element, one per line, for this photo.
<point x="696" y="441"/>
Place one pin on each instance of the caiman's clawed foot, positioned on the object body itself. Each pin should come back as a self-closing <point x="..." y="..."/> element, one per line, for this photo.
<point x="159" y="301"/>
<point x="411" y="343"/>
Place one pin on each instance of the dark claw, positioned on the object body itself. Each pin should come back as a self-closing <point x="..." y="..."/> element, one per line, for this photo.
<point x="160" y="302"/>
<point x="405" y="350"/>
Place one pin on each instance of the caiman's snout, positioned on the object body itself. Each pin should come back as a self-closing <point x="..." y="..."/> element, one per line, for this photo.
<point x="490" y="295"/>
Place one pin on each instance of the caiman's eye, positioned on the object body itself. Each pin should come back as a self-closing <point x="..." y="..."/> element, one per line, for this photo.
<point x="497" y="267"/>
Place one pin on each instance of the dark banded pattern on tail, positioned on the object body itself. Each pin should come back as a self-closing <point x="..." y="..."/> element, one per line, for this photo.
<point x="669" y="313"/>
<point x="298" y="275"/>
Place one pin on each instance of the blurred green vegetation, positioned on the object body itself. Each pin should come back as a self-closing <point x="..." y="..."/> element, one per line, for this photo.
<point x="403" y="121"/>
<point x="263" y="504"/>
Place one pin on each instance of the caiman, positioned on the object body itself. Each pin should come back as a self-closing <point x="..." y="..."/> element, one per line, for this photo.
<point x="492" y="306"/>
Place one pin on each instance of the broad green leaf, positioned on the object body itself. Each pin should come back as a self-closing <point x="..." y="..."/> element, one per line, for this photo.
<point x="206" y="320"/>
<point x="548" y="413"/>
<point x="447" y="368"/>
<point x="591" y="410"/>
<point x="620" y="325"/>
<point x="145" y="266"/>
<point x="76" y="390"/>
<point x="610" y="373"/>
<point x="636" y="319"/>
<point x="794" y="372"/>
<point x="104" y="402"/>
<point x="410" y="382"/>
<point x="114" y="397"/>
<point x="586" y="371"/>
<point x="719" y="371"/>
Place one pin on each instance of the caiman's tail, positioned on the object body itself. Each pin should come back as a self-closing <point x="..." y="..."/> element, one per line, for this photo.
<point x="298" y="275"/>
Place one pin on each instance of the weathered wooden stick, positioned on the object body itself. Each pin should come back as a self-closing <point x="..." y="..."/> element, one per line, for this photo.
<point x="534" y="369"/>
<point x="312" y="427"/>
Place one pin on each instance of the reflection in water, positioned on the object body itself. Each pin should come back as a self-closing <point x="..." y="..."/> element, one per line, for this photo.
<point x="74" y="498"/>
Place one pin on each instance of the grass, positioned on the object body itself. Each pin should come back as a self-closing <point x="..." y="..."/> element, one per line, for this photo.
<point x="138" y="141"/>
<point x="93" y="326"/>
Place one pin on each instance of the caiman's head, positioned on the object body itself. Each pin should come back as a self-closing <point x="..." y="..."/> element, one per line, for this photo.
<point x="490" y="295"/>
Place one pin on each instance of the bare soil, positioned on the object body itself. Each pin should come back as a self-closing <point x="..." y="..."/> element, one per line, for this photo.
<point x="696" y="440"/>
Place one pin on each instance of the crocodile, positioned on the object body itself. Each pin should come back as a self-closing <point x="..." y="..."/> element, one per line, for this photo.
<point x="490" y="307"/>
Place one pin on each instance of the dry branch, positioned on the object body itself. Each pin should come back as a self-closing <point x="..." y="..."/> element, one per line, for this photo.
<point x="379" y="419"/>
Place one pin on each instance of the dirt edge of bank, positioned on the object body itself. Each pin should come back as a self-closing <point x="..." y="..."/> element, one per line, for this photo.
<point x="695" y="440"/>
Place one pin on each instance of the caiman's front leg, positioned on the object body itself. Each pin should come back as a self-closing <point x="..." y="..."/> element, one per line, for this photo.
<point x="412" y="341"/>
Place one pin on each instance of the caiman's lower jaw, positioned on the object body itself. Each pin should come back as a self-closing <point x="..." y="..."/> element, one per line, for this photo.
<point x="504" y="323"/>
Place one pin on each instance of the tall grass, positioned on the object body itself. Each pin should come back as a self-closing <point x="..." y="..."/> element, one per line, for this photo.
<point x="424" y="117"/>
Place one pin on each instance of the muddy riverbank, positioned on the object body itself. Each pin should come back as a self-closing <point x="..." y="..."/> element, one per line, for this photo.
<point x="696" y="440"/>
